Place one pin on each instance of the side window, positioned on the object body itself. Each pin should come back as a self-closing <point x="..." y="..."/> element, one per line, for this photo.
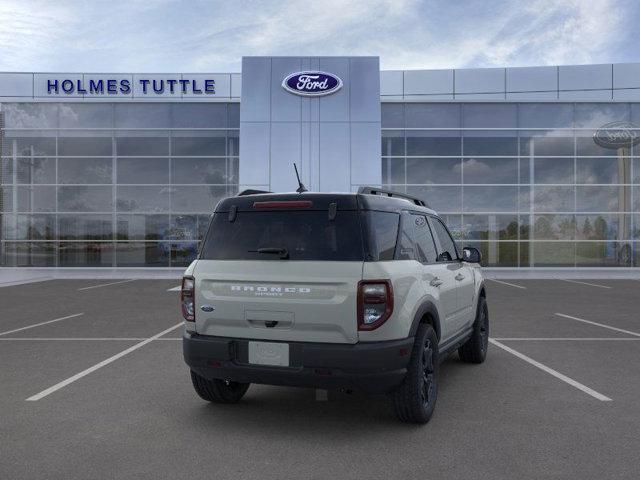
<point x="383" y="234"/>
<point x="447" y="248"/>
<point x="425" y="247"/>
<point x="406" y="240"/>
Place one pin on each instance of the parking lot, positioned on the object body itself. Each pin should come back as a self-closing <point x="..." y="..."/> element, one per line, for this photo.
<point x="93" y="385"/>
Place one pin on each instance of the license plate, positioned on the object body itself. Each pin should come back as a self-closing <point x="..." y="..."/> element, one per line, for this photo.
<point x="269" y="353"/>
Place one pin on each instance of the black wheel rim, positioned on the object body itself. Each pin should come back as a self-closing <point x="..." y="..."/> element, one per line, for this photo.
<point x="483" y="325"/>
<point x="428" y="374"/>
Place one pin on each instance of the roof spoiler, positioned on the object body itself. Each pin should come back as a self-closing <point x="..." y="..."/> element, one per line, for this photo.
<point x="251" y="191"/>
<point x="391" y="193"/>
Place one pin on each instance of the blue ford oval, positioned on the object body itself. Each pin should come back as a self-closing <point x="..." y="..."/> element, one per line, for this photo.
<point x="312" y="83"/>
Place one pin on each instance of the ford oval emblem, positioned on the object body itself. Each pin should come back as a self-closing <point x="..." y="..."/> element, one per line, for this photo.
<point x="617" y="135"/>
<point x="207" y="308"/>
<point x="312" y="83"/>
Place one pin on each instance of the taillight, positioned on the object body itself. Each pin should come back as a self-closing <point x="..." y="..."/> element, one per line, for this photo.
<point x="375" y="303"/>
<point x="187" y="298"/>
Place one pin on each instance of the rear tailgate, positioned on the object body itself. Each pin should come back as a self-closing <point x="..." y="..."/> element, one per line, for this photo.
<point x="287" y="300"/>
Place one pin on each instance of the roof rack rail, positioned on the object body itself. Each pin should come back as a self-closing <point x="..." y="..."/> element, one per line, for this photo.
<point x="251" y="191"/>
<point x="391" y="193"/>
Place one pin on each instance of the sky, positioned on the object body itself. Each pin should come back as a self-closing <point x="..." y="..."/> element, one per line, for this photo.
<point x="212" y="36"/>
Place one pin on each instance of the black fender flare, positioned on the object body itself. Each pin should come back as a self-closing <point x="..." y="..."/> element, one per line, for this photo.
<point x="426" y="308"/>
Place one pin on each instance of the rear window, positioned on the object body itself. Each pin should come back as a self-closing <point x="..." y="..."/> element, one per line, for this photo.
<point x="303" y="234"/>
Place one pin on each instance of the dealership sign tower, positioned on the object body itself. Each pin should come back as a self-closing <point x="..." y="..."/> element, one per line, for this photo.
<point x="321" y="112"/>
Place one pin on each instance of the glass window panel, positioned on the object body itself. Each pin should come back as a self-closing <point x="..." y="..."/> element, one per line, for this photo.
<point x="196" y="199"/>
<point x="490" y="145"/>
<point x="636" y="227"/>
<point x="636" y="254"/>
<point x="183" y="227"/>
<point x="141" y="115"/>
<point x="36" y="169"/>
<point x="526" y="251"/>
<point x="20" y="254"/>
<point x="199" y="115"/>
<point x="91" y="146"/>
<point x="490" y="199"/>
<point x="490" y="115"/>
<point x="490" y="227"/>
<point x="79" y="254"/>
<point x="143" y="199"/>
<point x="183" y="253"/>
<point x="142" y="254"/>
<point x="392" y="115"/>
<point x="603" y="254"/>
<point x="497" y="254"/>
<point x="553" y="170"/>
<point x="434" y="170"/>
<point x="546" y="144"/>
<point x="233" y="143"/>
<point x="30" y="146"/>
<point x="392" y="143"/>
<point x="433" y="143"/>
<point x="30" y="115"/>
<point x="636" y="171"/>
<point x="142" y="146"/>
<point x="85" y="170"/>
<point x="524" y="199"/>
<point x="598" y="114"/>
<point x="142" y="170"/>
<point x="6" y="199"/>
<point x="142" y="227"/>
<point x="490" y="170"/>
<point x="603" y="227"/>
<point x="393" y="170"/>
<point x="545" y="115"/>
<point x="8" y="227"/>
<point x="554" y="199"/>
<point x="553" y="254"/>
<point x="199" y="170"/>
<point x="601" y="170"/>
<point x="85" y="199"/>
<point x="233" y="166"/>
<point x="585" y="145"/>
<point x="37" y="199"/>
<point x="6" y="170"/>
<point x="454" y="224"/>
<point x="441" y="199"/>
<point x="233" y="111"/>
<point x="212" y="144"/>
<point x="85" y="227"/>
<point x="600" y="199"/>
<point x="85" y="115"/>
<point x="554" y="227"/>
<point x="432" y="115"/>
<point x="34" y="227"/>
<point x="525" y="169"/>
<point x="524" y="227"/>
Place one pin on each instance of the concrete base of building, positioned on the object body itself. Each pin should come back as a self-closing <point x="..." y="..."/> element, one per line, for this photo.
<point x="565" y="273"/>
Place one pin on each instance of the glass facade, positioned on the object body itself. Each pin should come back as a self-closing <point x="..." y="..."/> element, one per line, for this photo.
<point x="524" y="182"/>
<point x="112" y="184"/>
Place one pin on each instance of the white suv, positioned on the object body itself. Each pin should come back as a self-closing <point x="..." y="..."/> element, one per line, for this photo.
<point x="363" y="291"/>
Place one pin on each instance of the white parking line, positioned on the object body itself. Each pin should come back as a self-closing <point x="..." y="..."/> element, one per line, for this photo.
<point x="107" y="284"/>
<point x="175" y="289"/>
<point x="97" y="366"/>
<point x="551" y="339"/>
<point x="41" y="323"/>
<point x="584" y="283"/>
<point x="551" y="371"/>
<point x="629" y="332"/>
<point x="507" y="283"/>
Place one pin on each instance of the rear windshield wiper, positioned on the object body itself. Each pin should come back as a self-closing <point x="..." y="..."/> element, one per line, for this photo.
<point x="284" y="254"/>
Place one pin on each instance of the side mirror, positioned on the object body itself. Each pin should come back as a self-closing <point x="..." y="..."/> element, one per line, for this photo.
<point x="471" y="255"/>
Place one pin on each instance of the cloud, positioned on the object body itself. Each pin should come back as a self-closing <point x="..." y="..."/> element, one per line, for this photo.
<point x="167" y="36"/>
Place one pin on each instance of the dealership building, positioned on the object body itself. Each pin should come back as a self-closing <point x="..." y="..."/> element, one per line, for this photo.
<point x="535" y="166"/>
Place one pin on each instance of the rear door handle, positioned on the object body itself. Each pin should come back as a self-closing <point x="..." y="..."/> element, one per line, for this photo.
<point x="459" y="277"/>
<point x="436" y="282"/>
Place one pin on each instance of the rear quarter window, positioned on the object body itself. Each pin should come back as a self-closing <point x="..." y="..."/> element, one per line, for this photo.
<point x="382" y="233"/>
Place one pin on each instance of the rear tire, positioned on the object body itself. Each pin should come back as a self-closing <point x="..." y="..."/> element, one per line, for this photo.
<point x="218" y="391"/>
<point x="415" y="399"/>
<point x="475" y="349"/>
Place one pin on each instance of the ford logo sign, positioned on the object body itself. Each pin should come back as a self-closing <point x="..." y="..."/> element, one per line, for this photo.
<point x="617" y="135"/>
<point x="312" y="83"/>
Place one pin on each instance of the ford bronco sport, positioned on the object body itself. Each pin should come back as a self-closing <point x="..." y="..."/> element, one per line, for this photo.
<point x="363" y="291"/>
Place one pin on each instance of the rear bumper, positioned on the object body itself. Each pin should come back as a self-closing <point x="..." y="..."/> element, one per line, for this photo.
<point x="373" y="367"/>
